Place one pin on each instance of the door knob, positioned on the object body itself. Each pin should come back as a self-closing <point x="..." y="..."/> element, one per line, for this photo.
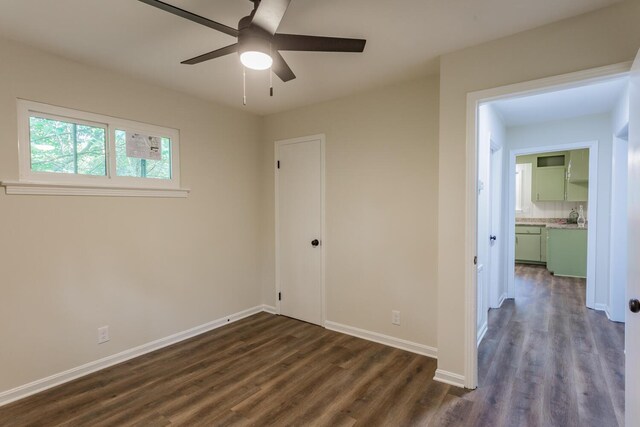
<point x="493" y="238"/>
<point x="315" y="242"/>
<point x="634" y="305"/>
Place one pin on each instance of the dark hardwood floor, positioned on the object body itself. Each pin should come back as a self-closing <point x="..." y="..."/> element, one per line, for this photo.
<point x="546" y="360"/>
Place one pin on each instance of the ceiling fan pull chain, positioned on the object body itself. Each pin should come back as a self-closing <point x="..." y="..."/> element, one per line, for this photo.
<point x="270" y="71"/>
<point x="244" y="86"/>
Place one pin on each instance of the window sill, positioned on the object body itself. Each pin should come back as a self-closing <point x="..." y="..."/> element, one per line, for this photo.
<point x="51" y="189"/>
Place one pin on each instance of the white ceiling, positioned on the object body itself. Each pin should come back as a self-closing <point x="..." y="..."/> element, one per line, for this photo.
<point x="597" y="98"/>
<point x="405" y="38"/>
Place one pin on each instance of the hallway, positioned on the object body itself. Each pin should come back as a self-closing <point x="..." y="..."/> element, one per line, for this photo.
<point x="548" y="360"/>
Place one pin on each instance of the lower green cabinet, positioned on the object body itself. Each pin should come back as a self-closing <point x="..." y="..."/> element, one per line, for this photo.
<point x="528" y="246"/>
<point x="567" y="252"/>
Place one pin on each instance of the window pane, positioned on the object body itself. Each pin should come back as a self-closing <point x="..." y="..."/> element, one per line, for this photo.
<point x="142" y="168"/>
<point x="63" y="147"/>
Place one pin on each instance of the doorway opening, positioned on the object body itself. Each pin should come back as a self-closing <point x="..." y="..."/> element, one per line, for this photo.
<point x="543" y="284"/>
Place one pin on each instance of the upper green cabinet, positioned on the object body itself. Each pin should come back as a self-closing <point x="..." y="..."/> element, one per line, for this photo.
<point x="578" y="167"/>
<point x="549" y="184"/>
<point x="577" y="192"/>
<point x="559" y="177"/>
<point x="578" y="176"/>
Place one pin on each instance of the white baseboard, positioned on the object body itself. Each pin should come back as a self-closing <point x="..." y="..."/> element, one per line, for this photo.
<point x="607" y="311"/>
<point x="269" y="309"/>
<point x="37" y="386"/>
<point x="482" y="333"/>
<point x="413" y="347"/>
<point x="602" y="307"/>
<point x="449" y="378"/>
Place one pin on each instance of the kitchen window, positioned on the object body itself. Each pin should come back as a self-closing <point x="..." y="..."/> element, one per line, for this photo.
<point x="523" y="188"/>
<point x="65" y="151"/>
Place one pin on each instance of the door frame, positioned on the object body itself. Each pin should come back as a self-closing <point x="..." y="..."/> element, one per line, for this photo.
<point x="496" y="264"/>
<point x="323" y="240"/>
<point x="617" y="310"/>
<point x="592" y="213"/>
<point x="474" y="99"/>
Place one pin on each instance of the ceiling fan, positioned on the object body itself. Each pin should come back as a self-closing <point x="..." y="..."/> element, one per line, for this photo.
<point x="258" y="43"/>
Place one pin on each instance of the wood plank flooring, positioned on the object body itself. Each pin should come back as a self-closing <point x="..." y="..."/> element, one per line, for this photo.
<point x="546" y="360"/>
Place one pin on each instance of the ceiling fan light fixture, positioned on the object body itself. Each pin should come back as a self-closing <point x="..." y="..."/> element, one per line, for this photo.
<point x="258" y="42"/>
<point x="256" y="60"/>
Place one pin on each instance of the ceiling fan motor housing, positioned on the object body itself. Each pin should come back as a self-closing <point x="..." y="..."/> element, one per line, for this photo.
<point x="251" y="37"/>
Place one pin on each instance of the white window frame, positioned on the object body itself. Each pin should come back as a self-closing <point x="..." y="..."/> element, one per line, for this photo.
<point x="31" y="182"/>
<point x="519" y="189"/>
<point x="525" y="172"/>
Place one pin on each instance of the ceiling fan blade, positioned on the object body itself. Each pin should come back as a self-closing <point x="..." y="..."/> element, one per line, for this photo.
<point x="269" y="14"/>
<point x="317" y="43"/>
<point x="192" y="17"/>
<point x="213" y="54"/>
<point x="281" y="68"/>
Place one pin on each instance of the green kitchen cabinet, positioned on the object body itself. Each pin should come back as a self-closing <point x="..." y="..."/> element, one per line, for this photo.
<point x="578" y="176"/>
<point x="558" y="177"/>
<point x="528" y="244"/>
<point x="549" y="184"/>
<point x="578" y="167"/>
<point x="577" y="191"/>
<point x="543" y="244"/>
<point x="567" y="252"/>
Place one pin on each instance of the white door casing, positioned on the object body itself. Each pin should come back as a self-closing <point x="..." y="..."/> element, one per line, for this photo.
<point x="484" y="230"/>
<point x="482" y="320"/>
<point x="299" y="222"/>
<point x="632" y="327"/>
<point x="474" y="101"/>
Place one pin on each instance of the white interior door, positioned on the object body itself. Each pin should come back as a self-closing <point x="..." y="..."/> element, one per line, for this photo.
<point x="299" y="228"/>
<point x="495" y="244"/>
<point x="632" y="327"/>
<point x="484" y="231"/>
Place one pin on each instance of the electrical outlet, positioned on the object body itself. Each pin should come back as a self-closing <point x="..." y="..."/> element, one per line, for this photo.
<point x="395" y="317"/>
<point x="103" y="334"/>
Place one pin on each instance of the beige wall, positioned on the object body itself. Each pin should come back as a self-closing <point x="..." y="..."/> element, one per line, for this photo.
<point x="71" y="264"/>
<point x="600" y="38"/>
<point x="381" y="192"/>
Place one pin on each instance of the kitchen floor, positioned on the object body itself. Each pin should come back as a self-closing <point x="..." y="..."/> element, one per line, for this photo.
<point x="549" y="360"/>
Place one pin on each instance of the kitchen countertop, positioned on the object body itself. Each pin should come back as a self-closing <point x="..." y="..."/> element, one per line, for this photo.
<point x="549" y="223"/>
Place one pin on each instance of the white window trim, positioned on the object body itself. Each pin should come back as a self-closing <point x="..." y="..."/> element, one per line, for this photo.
<point x="519" y="189"/>
<point x="49" y="183"/>
<point x="526" y="169"/>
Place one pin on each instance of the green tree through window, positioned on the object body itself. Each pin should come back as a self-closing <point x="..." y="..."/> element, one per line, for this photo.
<point x="64" y="147"/>
<point x="80" y="151"/>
